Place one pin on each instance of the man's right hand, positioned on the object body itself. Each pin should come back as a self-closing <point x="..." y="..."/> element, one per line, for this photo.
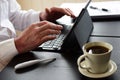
<point x="36" y="34"/>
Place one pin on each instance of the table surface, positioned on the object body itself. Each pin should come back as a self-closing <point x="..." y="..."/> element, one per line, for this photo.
<point x="64" y="67"/>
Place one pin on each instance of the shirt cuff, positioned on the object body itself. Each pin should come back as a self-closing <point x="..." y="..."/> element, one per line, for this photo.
<point x="7" y="52"/>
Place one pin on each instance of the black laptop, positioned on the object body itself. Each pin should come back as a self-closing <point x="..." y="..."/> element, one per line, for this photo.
<point x="82" y="29"/>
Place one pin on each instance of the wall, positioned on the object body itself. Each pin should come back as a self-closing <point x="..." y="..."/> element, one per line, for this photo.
<point x="42" y="4"/>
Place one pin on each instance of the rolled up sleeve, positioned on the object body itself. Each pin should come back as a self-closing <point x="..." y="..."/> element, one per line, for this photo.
<point x="7" y="52"/>
<point x="22" y="18"/>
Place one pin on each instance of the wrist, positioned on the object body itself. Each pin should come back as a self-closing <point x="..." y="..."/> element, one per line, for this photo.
<point x="19" y="45"/>
<point x="40" y="16"/>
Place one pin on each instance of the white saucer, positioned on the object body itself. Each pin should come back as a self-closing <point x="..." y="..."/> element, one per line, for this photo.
<point x="112" y="69"/>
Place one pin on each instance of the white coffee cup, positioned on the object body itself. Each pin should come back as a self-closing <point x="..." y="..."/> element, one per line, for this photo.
<point x="96" y="55"/>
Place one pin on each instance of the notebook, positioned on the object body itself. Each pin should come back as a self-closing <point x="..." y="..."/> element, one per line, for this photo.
<point x="82" y="29"/>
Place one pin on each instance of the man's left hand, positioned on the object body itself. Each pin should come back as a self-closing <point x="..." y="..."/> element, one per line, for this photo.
<point x="55" y="13"/>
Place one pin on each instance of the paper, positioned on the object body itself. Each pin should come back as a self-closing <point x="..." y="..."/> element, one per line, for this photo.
<point x="112" y="6"/>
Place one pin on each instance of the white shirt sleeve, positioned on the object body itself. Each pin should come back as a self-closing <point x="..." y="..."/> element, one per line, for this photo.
<point x="21" y="18"/>
<point x="7" y="52"/>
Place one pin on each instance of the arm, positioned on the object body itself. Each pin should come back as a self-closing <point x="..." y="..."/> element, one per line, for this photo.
<point x="21" y="19"/>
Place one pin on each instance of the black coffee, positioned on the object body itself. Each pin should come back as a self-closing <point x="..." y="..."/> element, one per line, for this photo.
<point x="97" y="49"/>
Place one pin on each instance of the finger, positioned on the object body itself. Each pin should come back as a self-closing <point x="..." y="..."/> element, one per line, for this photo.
<point x="72" y="14"/>
<point x="49" y="32"/>
<point x="50" y="26"/>
<point x="48" y="37"/>
<point x="47" y="10"/>
<point x="41" y="23"/>
<point x="61" y="10"/>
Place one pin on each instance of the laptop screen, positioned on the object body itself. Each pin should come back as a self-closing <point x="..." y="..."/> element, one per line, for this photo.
<point x="83" y="27"/>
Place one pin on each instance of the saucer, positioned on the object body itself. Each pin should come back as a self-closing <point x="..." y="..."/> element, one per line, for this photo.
<point x="112" y="69"/>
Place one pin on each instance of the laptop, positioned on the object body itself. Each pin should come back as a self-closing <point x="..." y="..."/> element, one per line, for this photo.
<point x="82" y="28"/>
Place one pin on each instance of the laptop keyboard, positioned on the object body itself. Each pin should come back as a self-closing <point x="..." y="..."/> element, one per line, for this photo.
<point x="57" y="43"/>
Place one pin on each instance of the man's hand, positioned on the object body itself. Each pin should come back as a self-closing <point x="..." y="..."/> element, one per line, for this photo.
<point x="55" y="13"/>
<point x="35" y="35"/>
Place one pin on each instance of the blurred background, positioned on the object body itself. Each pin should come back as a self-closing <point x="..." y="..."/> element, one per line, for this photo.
<point x="42" y="4"/>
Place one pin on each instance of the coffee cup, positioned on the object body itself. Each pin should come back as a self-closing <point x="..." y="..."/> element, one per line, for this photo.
<point x="96" y="56"/>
